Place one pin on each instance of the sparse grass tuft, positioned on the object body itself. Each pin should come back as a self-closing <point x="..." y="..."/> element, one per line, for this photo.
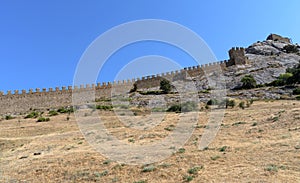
<point x="104" y="107"/>
<point x="223" y="149"/>
<point x="9" y="117"/>
<point x="239" y="123"/>
<point x="188" y="178"/>
<point x="42" y="119"/>
<point x="149" y="168"/>
<point x="33" y="114"/>
<point x="271" y="168"/>
<point x="53" y="113"/>
<point x="195" y="169"/>
<point x="215" y="157"/>
<point x="181" y="150"/>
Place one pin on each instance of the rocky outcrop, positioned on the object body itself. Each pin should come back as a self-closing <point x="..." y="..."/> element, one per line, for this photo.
<point x="276" y="37"/>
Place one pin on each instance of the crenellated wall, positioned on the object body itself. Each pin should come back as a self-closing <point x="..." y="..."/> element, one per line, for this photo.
<point x="23" y="101"/>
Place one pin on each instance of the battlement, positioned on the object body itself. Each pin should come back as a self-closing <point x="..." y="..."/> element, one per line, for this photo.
<point x="173" y="75"/>
<point x="21" y="101"/>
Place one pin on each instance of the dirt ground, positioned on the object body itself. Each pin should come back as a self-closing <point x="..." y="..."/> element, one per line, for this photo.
<point x="258" y="144"/>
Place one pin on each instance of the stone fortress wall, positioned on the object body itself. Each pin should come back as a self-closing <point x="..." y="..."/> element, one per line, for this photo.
<point x="23" y="101"/>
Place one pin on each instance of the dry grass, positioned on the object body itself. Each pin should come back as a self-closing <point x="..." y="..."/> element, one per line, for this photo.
<point x="258" y="144"/>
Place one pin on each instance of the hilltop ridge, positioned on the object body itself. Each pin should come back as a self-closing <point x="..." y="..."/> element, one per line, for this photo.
<point x="264" y="60"/>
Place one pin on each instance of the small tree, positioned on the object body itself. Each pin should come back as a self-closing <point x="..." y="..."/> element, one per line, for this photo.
<point x="291" y="48"/>
<point x="165" y="86"/>
<point x="295" y="78"/>
<point x="248" y="82"/>
<point x="230" y="103"/>
<point x="282" y="79"/>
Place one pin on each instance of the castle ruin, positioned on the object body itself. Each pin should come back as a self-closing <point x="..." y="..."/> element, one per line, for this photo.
<point x="237" y="57"/>
<point x="276" y="37"/>
<point x="16" y="102"/>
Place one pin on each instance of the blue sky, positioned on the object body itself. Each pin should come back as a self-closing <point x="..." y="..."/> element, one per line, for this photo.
<point x="41" y="42"/>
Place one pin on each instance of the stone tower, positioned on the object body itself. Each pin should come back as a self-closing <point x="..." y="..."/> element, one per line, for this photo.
<point x="237" y="57"/>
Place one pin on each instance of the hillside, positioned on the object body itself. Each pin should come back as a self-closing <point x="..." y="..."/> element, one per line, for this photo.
<point x="257" y="144"/>
<point x="183" y="126"/>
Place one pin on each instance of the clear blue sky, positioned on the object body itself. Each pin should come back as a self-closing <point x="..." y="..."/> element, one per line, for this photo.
<point x="41" y="42"/>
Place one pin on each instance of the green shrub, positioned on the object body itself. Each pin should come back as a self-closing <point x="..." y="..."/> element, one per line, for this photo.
<point x="298" y="97"/>
<point x="271" y="168"/>
<point x="158" y="109"/>
<point x="150" y="168"/>
<point x="165" y="86"/>
<point x="239" y="123"/>
<point x="223" y="149"/>
<point x="53" y="113"/>
<point x="140" y="181"/>
<point x="282" y="80"/>
<point x="296" y="74"/>
<point x="150" y="92"/>
<point x="9" y="117"/>
<point x="181" y="150"/>
<point x="104" y="107"/>
<point x="230" y="103"/>
<point x="242" y="105"/>
<point x="185" y="107"/>
<point x="189" y="106"/>
<point x="65" y="110"/>
<point x="188" y="178"/>
<point x="42" y="119"/>
<point x="248" y="82"/>
<point x="174" y="108"/>
<point x="33" y="114"/>
<point x="227" y="103"/>
<point x="195" y="169"/>
<point x="296" y="91"/>
<point x="291" y="48"/>
<point x="212" y="102"/>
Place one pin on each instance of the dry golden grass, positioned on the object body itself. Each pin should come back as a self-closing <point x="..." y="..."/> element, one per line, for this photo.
<point x="258" y="144"/>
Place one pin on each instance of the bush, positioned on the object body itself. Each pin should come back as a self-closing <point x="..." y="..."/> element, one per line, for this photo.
<point x="242" y="105"/>
<point x="282" y="80"/>
<point x="185" y="107"/>
<point x="189" y="106"/>
<point x="298" y="97"/>
<point x="296" y="91"/>
<point x="212" y="102"/>
<point x="104" y="107"/>
<point x="32" y="115"/>
<point x="195" y="169"/>
<point x="42" y="119"/>
<point x="291" y="48"/>
<point x="165" y="86"/>
<point x="9" y="117"/>
<point x="150" y="92"/>
<point x="230" y="103"/>
<point x="53" y="113"/>
<point x="65" y="110"/>
<point x="174" y="108"/>
<point x="150" y="168"/>
<point x="296" y="74"/>
<point x="248" y="82"/>
<point x="227" y="103"/>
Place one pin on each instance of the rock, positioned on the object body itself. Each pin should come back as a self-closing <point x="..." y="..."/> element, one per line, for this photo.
<point x="23" y="157"/>
<point x="37" y="153"/>
<point x="263" y="50"/>
<point x="276" y="37"/>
